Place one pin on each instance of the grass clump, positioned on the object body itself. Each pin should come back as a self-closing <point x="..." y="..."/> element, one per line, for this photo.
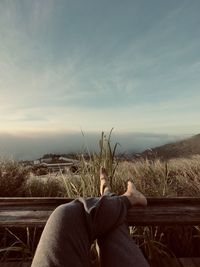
<point x="175" y="178"/>
<point x="18" y="244"/>
<point x="86" y="181"/>
<point x="12" y="178"/>
<point x="50" y="186"/>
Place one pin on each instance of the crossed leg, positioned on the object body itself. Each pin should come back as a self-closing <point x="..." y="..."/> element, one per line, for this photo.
<point x="117" y="248"/>
<point x="72" y="227"/>
<point x="65" y="239"/>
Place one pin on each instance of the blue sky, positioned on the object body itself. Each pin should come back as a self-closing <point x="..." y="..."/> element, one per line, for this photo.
<point x="67" y="65"/>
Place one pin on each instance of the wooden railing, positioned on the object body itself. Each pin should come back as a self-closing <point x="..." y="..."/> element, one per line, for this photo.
<point x="160" y="211"/>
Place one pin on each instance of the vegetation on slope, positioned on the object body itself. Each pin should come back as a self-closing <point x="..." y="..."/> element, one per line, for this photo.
<point x="182" y="149"/>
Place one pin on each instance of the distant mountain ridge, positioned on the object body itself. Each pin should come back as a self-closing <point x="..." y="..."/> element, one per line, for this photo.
<point x="179" y="149"/>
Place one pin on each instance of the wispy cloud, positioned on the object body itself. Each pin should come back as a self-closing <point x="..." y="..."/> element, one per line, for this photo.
<point x="64" y="65"/>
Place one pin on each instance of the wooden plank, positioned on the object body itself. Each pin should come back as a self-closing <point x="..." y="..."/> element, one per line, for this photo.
<point x="160" y="211"/>
<point x="196" y="261"/>
<point x="15" y="264"/>
<point x="185" y="262"/>
<point x="166" y="211"/>
<point x="190" y="262"/>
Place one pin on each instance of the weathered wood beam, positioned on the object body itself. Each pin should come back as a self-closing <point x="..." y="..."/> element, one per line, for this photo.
<point x="160" y="211"/>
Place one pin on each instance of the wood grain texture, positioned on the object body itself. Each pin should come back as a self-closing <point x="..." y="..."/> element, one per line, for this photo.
<point x="160" y="211"/>
<point x="184" y="262"/>
<point x="190" y="262"/>
<point x="15" y="264"/>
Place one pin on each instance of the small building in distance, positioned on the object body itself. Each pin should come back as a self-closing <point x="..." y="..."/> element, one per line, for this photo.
<point x="57" y="163"/>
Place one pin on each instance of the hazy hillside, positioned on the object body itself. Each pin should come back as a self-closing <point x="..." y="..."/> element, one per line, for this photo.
<point x="184" y="148"/>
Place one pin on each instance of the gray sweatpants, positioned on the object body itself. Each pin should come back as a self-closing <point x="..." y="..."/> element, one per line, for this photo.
<point x="72" y="227"/>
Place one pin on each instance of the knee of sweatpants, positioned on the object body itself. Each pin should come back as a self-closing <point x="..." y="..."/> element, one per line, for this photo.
<point x="67" y="213"/>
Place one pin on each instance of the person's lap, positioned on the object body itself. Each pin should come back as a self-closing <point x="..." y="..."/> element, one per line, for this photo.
<point x="72" y="227"/>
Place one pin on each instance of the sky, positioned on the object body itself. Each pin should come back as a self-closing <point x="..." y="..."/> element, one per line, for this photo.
<point x="73" y="65"/>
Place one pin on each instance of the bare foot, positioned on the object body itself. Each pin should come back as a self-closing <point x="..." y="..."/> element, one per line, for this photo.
<point x="134" y="196"/>
<point x="104" y="181"/>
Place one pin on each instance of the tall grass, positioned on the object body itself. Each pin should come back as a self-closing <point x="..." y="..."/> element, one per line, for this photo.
<point x="50" y="186"/>
<point x="12" y="178"/>
<point x="87" y="182"/>
<point x="18" y="243"/>
<point x="177" y="177"/>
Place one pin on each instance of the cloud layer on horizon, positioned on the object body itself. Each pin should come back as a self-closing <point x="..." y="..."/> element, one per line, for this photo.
<point x="29" y="147"/>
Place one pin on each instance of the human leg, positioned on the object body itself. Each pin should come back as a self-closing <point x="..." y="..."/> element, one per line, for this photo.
<point x="72" y="228"/>
<point x="65" y="239"/>
<point x="117" y="248"/>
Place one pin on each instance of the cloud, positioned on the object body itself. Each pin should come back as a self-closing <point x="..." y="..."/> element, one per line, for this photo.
<point x="59" y="70"/>
<point x="34" y="145"/>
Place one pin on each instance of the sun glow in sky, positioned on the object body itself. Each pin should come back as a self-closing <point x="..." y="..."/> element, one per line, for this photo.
<point x="69" y="64"/>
